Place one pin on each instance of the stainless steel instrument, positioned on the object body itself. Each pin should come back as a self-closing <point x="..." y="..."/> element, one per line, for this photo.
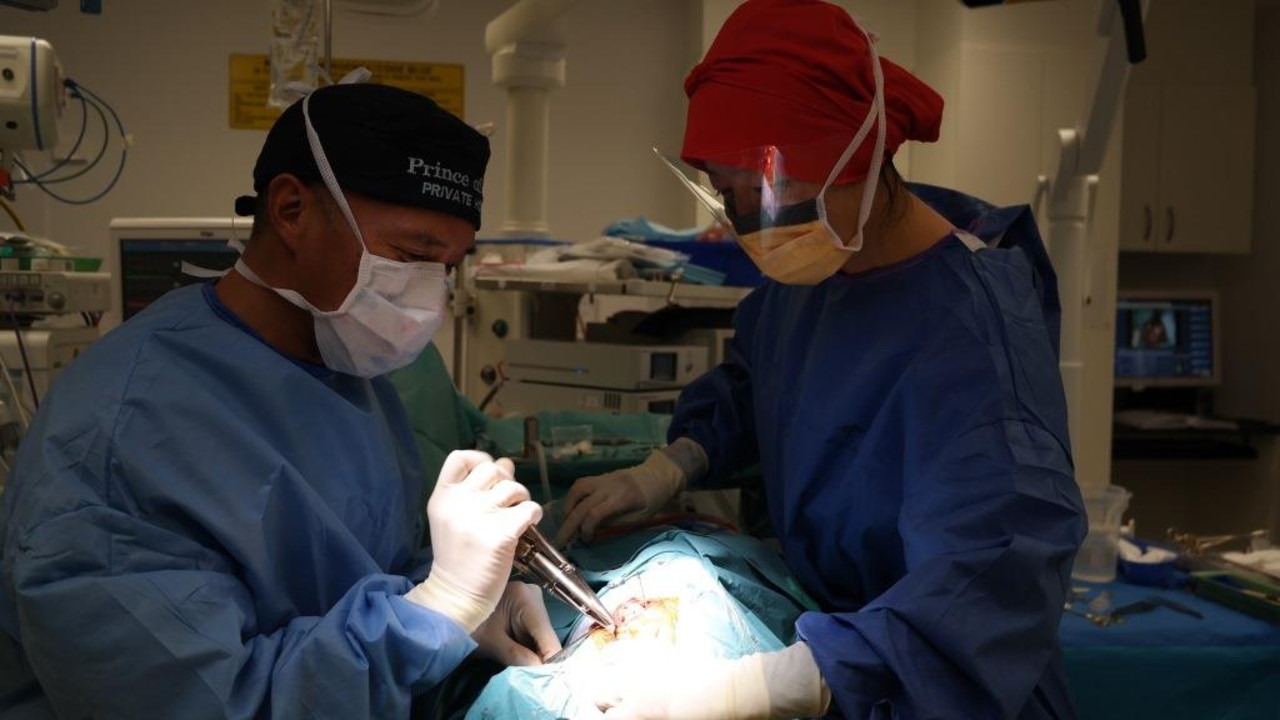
<point x="539" y="560"/>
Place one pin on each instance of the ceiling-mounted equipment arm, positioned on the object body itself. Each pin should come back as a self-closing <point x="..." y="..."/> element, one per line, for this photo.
<point x="528" y="49"/>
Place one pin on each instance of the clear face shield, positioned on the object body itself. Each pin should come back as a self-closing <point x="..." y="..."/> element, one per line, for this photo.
<point x="775" y="200"/>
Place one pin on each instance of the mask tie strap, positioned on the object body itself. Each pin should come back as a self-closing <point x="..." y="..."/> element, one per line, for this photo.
<point x="876" y="115"/>
<point x="326" y="171"/>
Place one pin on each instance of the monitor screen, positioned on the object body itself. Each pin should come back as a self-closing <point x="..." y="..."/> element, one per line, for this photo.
<point x="150" y="268"/>
<point x="152" y="256"/>
<point x="1166" y="339"/>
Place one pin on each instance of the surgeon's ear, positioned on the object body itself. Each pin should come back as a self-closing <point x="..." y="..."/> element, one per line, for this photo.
<point x="288" y="200"/>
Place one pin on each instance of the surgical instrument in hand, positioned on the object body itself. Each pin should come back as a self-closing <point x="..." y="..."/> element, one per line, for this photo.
<point x="538" y="559"/>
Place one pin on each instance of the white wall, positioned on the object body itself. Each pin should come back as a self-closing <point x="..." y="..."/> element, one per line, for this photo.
<point x="163" y="65"/>
<point x="892" y="20"/>
<point x="1013" y="76"/>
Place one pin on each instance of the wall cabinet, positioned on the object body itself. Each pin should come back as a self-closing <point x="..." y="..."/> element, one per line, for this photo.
<point x="1188" y="141"/>
<point x="1187" y="179"/>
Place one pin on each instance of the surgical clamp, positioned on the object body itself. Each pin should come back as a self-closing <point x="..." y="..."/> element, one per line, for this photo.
<point x="537" y="559"/>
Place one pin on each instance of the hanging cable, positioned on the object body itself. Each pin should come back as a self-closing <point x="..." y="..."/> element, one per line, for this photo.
<point x="43" y="178"/>
<point x="12" y="215"/>
<point x="84" y="123"/>
<point x="126" y="140"/>
<point x="501" y="370"/>
<point x="26" y="362"/>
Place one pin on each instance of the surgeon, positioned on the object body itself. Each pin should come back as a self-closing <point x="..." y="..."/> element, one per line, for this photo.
<point x="216" y="509"/>
<point x="897" y="380"/>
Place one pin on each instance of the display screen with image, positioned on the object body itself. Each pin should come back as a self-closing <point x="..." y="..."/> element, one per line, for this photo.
<point x="1165" y="340"/>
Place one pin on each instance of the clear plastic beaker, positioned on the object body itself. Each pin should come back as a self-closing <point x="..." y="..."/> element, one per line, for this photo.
<point x="570" y="441"/>
<point x="1096" y="561"/>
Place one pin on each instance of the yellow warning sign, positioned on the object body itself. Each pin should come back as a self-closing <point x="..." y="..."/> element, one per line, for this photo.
<point x="249" y="85"/>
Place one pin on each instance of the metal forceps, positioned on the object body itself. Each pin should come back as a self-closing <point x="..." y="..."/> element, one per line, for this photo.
<point x="1096" y="619"/>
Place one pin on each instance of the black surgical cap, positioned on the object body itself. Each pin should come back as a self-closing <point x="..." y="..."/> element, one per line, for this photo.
<point x="389" y="144"/>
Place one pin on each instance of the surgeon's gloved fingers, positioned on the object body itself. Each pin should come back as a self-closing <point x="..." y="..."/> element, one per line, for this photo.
<point x="582" y="489"/>
<point x="605" y="509"/>
<point x="485" y="476"/>
<point x="519" y="631"/>
<point x="508" y="525"/>
<point x="506" y="493"/>
<point x="521" y="517"/>
<point x="506" y="465"/>
<point x="477" y="513"/>
<point x="595" y="509"/>
<point x="584" y="492"/>
<point x="513" y="654"/>
<point x="539" y="635"/>
<point x="459" y="464"/>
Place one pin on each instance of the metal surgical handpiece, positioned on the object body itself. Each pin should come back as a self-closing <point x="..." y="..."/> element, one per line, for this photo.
<point x="539" y="560"/>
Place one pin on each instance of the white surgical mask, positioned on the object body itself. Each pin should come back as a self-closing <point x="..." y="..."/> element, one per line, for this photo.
<point x="391" y="312"/>
<point x="386" y="320"/>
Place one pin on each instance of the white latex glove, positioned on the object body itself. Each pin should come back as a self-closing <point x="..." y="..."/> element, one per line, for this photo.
<point x="519" y="631"/>
<point x="477" y="513"/>
<point x="637" y="492"/>
<point x="782" y="684"/>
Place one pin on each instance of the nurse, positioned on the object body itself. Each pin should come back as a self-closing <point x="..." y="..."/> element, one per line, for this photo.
<point x="896" y="379"/>
<point x="217" y="510"/>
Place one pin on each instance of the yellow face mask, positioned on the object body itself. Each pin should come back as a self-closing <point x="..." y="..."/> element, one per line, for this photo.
<point x="804" y="254"/>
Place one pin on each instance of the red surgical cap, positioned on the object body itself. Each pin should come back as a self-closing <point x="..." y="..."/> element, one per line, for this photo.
<point x="797" y="72"/>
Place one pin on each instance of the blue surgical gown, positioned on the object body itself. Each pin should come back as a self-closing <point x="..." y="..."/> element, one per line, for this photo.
<point x="911" y="427"/>
<point x="197" y="526"/>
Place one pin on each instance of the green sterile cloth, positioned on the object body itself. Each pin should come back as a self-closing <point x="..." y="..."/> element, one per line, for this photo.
<point x="442" y="419"/>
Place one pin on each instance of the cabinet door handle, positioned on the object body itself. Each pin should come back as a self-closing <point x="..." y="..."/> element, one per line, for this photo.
<point x="1146" y="223"/>
<point x="1168" y="221"/>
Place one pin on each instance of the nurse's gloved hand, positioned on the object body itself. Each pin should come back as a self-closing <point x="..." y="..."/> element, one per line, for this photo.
<point x="636" y="492"/>
<point x="519" y="631"/>
<point x="477" y="514"/>
<point x="783" y="684"/>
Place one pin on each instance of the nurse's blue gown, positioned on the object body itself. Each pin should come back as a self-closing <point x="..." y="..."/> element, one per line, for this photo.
<point x="196" y="526"/>
<point x="911" y="427"/>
